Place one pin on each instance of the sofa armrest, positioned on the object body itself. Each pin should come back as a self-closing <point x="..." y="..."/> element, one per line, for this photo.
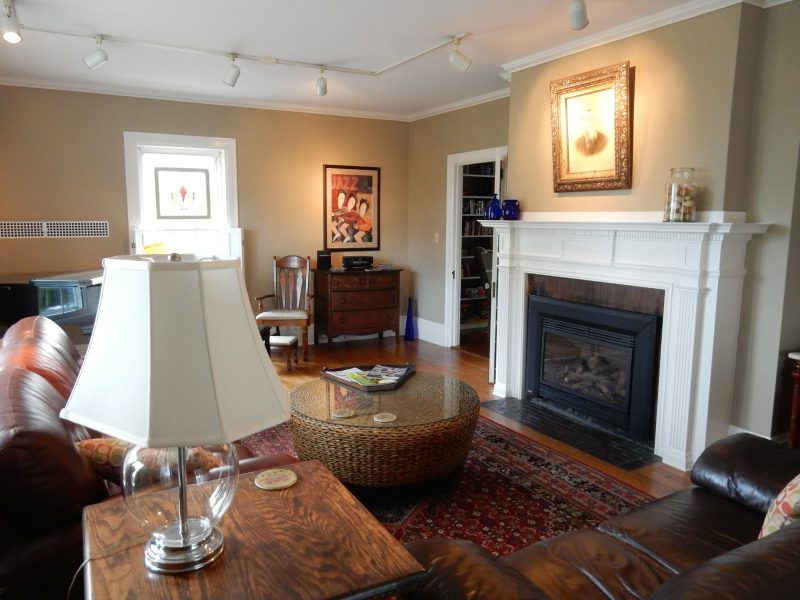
<point x="459" y="569"/>
<point x="747" y="469"/>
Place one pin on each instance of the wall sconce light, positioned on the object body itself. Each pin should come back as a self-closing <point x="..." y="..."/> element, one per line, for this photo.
<point x="232" y="74"/>
<point x="578" y="19"/>
<point x="458" y="59"/>
<point x="97" y="58"/>
<point x="9" y="23"/>
<point x="322" y="83"/>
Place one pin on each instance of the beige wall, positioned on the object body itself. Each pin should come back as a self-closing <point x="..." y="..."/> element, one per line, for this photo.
<point x="719" y="93"/>
<point x="683" y="78"/>
<point x="62" y="158"/>
<point x="431" y="140"/>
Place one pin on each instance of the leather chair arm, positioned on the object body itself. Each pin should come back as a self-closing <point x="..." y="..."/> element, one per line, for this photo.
<point x="459" y="569"/>
<point x="747" y="469"/>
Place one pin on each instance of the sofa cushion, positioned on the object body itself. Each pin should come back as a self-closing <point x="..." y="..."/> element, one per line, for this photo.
<point x="686" y="528"/>
<point x="785" y="509"/>
<point x="588" y="564"/>
<point x="51" y="480"/>
<point x="768" y="569"/>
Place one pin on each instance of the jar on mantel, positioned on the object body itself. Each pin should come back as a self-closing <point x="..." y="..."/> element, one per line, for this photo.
<point x="680" y="203"/>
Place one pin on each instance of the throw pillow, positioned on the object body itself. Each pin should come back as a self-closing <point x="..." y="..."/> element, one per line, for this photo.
<point x="785" y="509"/>
<point x="107" y="454"/>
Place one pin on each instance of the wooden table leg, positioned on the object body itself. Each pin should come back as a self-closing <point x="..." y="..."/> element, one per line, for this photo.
<point x="794" y="430"/>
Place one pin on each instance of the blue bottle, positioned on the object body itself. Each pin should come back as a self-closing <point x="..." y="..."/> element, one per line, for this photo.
<point x="493" y="210"/>
<point x="510" y="210"/>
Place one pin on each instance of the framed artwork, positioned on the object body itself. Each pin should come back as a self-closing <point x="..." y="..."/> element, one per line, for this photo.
<point x="591" y="128"/>
<point x="182" y="193"/>
<point x="351" y="207"/>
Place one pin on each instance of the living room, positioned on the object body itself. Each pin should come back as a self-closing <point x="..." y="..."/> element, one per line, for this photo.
<point x="715" y="91"/>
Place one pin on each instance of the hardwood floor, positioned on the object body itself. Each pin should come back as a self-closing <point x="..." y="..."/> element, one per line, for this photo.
<point x="657" y="479"/>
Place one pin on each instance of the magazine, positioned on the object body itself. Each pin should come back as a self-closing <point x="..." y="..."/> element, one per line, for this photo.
<point x="372" y="377"/>
<point x="383" y="372"/>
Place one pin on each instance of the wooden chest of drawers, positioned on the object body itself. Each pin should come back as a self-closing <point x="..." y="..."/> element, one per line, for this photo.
<point x="356" y="303"/>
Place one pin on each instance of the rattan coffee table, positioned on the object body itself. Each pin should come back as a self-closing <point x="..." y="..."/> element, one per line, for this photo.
<point x="431" y="436"/>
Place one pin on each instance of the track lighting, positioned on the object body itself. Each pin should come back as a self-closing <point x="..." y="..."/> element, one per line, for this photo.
<point x="10" y="25"/>
<point x="459" y="60"/>
<point x="232" y="74"/>
<point x="322" y="83"/>
<point x="578" y="19"/>
<point x="97" y="58"/>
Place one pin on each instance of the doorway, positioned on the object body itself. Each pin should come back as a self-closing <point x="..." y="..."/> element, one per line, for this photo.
<point x="472" y="179"/>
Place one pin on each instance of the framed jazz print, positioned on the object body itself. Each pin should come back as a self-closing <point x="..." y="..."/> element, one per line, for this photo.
<point x="351" y="207"/>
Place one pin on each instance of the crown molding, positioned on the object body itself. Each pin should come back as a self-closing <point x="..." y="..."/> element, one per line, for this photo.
<point x="474" y="101"/>
<point x="661" y="19"/>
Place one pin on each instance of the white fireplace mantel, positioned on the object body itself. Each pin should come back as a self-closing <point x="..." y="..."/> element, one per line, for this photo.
<point x="700" y="267"/>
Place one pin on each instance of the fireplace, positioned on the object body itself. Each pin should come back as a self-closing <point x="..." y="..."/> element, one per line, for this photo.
<point x="598" y="362"/>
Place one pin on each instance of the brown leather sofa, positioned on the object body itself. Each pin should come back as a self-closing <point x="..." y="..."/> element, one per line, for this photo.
<point x="45" y="480"/>
<point x="698" y="543"/>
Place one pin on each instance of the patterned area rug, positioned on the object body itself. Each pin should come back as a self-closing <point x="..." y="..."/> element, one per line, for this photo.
<point x="511" y="493"/>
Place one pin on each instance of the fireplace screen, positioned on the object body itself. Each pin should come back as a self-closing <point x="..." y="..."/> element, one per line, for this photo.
<point x="598" y="362"/>
<point x="588" y="368"/>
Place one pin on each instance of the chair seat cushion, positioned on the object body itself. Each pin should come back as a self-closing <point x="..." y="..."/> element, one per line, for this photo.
<point x="282" y="315"/>
<point x="282" y="340"/>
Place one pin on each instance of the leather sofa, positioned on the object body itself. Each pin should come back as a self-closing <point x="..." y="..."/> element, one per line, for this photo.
<point x="697" y="543"/>
<point x="46" y="482"/>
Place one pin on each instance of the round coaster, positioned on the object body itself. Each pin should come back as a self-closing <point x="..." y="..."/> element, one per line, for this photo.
<point x="341" y="413"/>
<point x="276" y="479"/>
<point x="384" y="417"/>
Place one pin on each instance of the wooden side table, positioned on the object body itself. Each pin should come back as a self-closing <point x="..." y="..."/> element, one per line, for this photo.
<point x="794" y="424"/>
<point x="312" y="540"/>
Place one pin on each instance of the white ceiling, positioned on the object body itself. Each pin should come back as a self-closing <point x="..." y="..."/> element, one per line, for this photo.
<point x="504" y="35"/>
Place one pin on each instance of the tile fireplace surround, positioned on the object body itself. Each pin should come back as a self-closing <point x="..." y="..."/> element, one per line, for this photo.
<point x="700" y="266"/>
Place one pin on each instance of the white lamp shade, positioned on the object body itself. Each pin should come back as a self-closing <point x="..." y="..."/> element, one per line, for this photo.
<point x="578" y="19"/>
<point x="175" y="358"/>
<point x="96" y="59"/>
<point x="232" y="75"/>
<point x="9" y="26"/>
<point x="459" y="61"/>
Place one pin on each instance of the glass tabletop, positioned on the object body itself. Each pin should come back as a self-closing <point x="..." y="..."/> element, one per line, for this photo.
<point x="425" y="398"/>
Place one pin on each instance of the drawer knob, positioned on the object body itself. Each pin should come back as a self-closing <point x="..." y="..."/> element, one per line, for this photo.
<point x="341" y="319"/>
<point x="341" y="300"/>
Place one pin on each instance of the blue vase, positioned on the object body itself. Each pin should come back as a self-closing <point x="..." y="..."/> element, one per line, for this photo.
<point x="510" y="210"/>
<point x="493" y="210"/>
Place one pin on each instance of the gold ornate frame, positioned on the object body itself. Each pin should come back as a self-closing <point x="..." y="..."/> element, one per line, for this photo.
<point x="592" y="132"/>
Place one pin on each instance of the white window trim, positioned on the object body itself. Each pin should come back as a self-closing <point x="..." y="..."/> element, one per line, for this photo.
<point x="136" y="142"/>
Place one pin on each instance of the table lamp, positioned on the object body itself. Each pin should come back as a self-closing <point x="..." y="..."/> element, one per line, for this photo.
<point x="174" y="362"/>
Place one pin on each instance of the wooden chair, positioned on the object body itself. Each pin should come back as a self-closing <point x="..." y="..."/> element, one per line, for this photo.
<point x="292" y="302"/>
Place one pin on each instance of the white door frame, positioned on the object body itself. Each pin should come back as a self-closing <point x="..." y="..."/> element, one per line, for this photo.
<point x="455" y="163"/>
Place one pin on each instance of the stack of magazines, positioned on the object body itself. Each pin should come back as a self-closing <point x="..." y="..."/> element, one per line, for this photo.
<point x="377" y="375"/>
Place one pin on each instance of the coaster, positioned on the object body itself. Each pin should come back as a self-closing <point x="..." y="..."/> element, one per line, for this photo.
<point x="341" y="413"/>
<point x="384" y="417"/>
<point x="276" y="479"/>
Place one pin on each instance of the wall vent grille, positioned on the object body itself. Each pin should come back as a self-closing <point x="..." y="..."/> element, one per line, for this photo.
<point x="53" y="229"/>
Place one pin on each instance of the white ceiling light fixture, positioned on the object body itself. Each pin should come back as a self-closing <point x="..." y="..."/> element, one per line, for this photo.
<point x="10" y="25"/>
<point x="578" y="19"/>
<point x="457" y="58"/>
<point x="322" y="83"/>
<point x="233" y="72"/>
<point x="97" y="58"/>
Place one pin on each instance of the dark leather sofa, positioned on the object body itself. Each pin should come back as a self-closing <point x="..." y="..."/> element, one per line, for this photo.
<point x="44" y="480"/>
<point x="698" y="543"/>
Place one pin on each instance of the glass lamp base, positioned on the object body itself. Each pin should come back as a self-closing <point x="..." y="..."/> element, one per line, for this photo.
<point x="165" y="554"/>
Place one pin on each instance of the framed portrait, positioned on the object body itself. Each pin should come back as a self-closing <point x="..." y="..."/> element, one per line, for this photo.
<point x="351" y="207"/>
<point x="590" y="117"/>
<point x="182" y="193"/>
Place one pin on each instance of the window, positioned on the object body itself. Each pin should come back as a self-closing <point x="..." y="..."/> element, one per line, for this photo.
<point x="182" y="194"/>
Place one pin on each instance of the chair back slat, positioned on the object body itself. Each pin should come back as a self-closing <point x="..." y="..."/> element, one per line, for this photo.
<point x="290" y="278"/>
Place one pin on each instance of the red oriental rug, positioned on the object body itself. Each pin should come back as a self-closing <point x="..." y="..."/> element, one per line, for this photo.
<point x="512" y="492"/>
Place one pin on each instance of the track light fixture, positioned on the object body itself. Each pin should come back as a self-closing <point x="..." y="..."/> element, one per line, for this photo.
<point x="322" y="83"/>
<point x="458" y="59"/>
<point x="10" y="25"/>
<point x="233" y="72"/>
<point x="97" y="58"/>
<point x="578" y="19"/>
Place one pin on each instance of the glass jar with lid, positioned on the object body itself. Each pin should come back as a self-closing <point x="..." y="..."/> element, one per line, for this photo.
<point x="681" y="196"/>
